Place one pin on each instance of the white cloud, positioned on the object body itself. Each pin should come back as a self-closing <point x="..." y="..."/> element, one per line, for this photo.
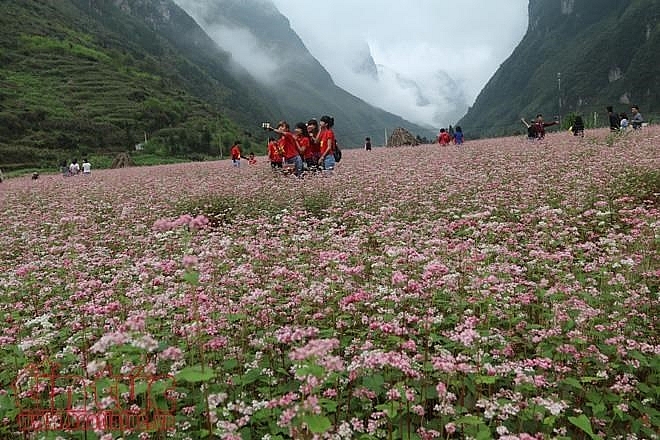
<point x="467" y="40"/>
<point x="433" y="57"/>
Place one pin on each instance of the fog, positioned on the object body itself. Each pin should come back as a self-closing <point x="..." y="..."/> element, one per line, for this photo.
<point x="425" y="60"/>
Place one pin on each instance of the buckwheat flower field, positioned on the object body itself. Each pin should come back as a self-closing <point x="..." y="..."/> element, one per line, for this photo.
<point x="501" y="289"/>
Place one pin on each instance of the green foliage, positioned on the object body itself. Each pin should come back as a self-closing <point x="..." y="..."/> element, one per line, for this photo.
<point x="78" y="80"/>
<point x="604" y="53"/>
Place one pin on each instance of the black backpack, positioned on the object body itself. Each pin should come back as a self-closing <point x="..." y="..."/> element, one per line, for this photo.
<point x="337" y="152"/>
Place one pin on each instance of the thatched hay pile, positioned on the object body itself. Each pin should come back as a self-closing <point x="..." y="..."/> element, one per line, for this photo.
<point x="401" y="136"/>
<point x="122" y="160"/>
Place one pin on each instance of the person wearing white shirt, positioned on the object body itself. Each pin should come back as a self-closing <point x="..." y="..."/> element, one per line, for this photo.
<point x="74" y="168"/>
<point x="86" y="167"/>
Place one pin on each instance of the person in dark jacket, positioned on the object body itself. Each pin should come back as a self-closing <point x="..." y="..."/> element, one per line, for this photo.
<point x="614" y="118"/>
<point x="578" y="126"/>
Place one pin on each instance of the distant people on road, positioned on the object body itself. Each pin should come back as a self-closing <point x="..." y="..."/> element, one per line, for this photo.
<point x="458" y="135"/>
<point x="637" y="118"/>
<point x="623" y="122"/>
<point x="443" y="137"/>
<point x="86" y="167"/>
<point x="367" y="144"/>
<point x="236" y="154"/>
<point x="613" y="118"/>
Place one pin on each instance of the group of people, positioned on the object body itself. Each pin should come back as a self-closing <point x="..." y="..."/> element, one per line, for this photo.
<point x="447" y="136"/>
<point x="311" y="145"/>
<point x="536" y="129"/>
<point x="620" y="121"/>
<point x="74" y="168"/>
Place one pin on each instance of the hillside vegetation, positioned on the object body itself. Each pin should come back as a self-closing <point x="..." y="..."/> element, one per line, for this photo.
<point x="604" y="50"/>
<point x="94" y="77"/>
<point x="82" y="77"/>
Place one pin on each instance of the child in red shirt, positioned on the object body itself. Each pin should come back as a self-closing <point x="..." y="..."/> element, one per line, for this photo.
<point x="236" y="153"/>
<point x="274" y="153"/>
<point x="327" y="141"/>
<point x="304" y="141"/>
<point x="443" y="137"/>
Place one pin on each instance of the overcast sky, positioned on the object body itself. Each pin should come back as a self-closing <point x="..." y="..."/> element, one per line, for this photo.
<point x="414" y="40"/>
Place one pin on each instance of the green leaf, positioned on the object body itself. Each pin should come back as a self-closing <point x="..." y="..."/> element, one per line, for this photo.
<point x="310" y="370"/>
<point x="191" y="277"/>
<point x="484" y="434"/>
<point x="469" y="420"/>
<point x="389" y="409"/>
<point x="229" y="364"/>
<point x="251" y="376"/>
<point x="486" y="379"/>
<point x="317" y="424"/>
<point x="330" y="406"/>
<point x="195" y="373"/>
<point x="573" y="382"/>
<point x="584" y="424"/>
<point x="374" y="382"/>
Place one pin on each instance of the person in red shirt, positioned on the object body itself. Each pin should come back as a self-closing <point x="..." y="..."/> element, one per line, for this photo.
<point x="313" y="130"/>
<point x="236" y="154"/>
<point x="289" y="145"/>
<point x="274" y="153"/>
<point x="304" y="141"/>
<point x="326" y="139"/>
<point x="443" y="137"/>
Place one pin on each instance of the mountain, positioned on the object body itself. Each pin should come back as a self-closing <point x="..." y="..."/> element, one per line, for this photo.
<point x="576" y="57"/>
<point x="262" y="41"/>
<point x="84" y="77"/>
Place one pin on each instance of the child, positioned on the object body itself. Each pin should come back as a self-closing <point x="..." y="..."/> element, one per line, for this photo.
<point x="623" y="123"/>
<point x="252" y="160"/>
<point x="86" y="168"/>
<point x="236" y="154"/>
<point x="74" y="168"/>
<point x="274" y="153"/>
<point x="367" y="144"/>
<point x="443" y="137"/>
<point x="578" y="126"/>
<point x="458" y="135"/>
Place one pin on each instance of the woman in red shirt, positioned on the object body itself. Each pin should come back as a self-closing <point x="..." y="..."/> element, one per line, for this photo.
<point x="313" y="130"/>
<point x="289" y="145"/>
<point x="327" y="141"/>
<point x="304" y="141"/>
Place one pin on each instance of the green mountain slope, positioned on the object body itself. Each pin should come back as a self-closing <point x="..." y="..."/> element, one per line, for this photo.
<point x="604" y="50"/>
<point x="84" y="76"/>
<point x="301" y="86"/>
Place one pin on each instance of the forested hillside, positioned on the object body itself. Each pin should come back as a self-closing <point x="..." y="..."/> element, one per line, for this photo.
<point x="577" y="57"/>
<point x="81" y="77"/>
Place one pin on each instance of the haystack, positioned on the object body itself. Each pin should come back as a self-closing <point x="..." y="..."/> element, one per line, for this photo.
<point x="122" y="160"/>
<point x="401" y="136"/>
